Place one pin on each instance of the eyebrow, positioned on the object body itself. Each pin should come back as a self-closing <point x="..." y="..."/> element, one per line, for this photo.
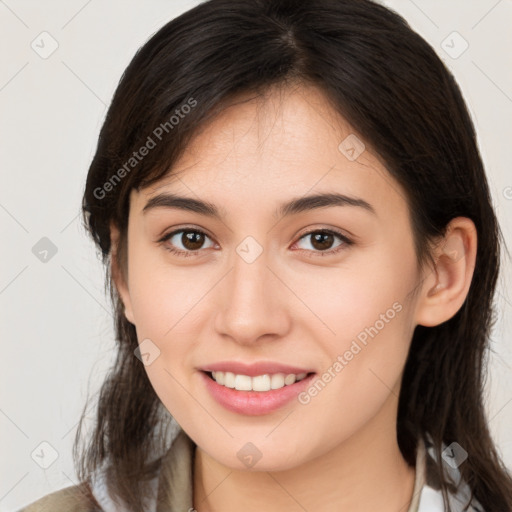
<point x="292" y="207"/>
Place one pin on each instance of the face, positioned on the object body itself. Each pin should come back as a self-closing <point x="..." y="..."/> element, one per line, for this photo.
<point x="319" y="293"/>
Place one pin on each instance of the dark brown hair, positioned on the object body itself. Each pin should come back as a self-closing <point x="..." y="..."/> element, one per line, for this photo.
<point x="395" y="91"/>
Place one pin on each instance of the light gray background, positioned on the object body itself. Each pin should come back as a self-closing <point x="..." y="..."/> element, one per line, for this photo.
<point x="56" y="332"/>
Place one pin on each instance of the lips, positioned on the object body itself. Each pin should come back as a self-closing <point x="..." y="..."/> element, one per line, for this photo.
<point x="254" y="369"/>
<point x="254" y="403"/>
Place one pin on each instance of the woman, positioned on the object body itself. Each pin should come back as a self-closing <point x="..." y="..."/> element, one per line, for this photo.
<point x="302" y="255"/>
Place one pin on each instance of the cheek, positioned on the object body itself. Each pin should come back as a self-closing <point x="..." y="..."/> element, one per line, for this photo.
<point x="365" y="331"/>
<point x="164" y="296"/>
<point x="165" y="312"/>
<point x="163" y="308"/>
<point x="366" y="297"/>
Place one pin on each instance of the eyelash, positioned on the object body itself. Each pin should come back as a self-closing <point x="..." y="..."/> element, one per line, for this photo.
<point x="346" y="242"/>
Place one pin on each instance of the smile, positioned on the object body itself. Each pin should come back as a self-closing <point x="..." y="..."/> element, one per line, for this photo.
<point x="264" y="382"/>
<point x="255" y="395"/>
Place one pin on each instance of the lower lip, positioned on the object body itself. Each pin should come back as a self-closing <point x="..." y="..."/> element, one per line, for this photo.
<point x="254" y="403"/>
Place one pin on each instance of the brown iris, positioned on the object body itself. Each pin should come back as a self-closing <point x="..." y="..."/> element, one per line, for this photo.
<point x="192" y="240"/>
<point x="324" y="240"/>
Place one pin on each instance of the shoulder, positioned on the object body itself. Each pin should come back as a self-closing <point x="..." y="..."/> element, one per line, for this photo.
<point x="76" y="498"/>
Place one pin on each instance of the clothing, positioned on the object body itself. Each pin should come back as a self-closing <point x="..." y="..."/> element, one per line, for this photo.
<point x="173" y="487"/>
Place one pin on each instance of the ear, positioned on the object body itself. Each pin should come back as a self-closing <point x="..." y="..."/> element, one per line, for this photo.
<point x="120" y="280"/>
<point x="444" y="288"/>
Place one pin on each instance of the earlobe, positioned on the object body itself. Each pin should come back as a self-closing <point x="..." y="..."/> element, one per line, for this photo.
<point x="445" y="287"/>
<point x="117" y="274"/>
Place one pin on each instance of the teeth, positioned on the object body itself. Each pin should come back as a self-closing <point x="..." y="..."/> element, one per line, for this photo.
<point x="259" y="383"/>
<point x="243" y="383"/>
<point x="277" y="381"/>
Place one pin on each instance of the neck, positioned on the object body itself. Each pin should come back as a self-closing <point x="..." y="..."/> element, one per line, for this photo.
<point x="363" y="473"/>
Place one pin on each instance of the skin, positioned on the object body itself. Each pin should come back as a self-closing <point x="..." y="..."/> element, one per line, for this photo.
<point x="339" y="451"/>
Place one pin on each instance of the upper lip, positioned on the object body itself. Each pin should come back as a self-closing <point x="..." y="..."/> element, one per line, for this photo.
<point x="253" y="369"/>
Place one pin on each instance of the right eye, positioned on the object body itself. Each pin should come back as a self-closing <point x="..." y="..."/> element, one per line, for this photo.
<point x="190" y="239"/>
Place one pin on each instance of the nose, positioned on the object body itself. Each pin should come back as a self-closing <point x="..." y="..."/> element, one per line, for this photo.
<point x="252" y="302"/>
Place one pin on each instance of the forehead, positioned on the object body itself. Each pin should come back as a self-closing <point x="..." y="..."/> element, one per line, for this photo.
<point x="288" y="143"/>
<point x="280" y="130"/>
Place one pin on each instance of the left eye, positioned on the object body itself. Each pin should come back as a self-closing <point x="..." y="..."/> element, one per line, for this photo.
<point x="322" y="240"/>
